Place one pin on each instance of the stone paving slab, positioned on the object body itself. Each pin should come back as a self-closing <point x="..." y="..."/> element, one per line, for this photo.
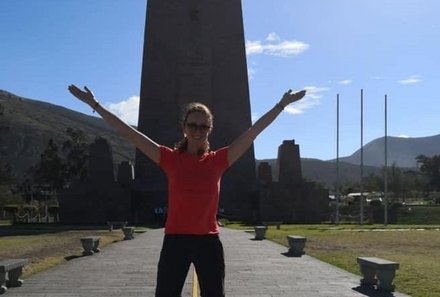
<point x="253" y="268"/>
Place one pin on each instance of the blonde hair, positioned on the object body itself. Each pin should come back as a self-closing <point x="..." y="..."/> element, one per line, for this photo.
<point x="190" y="108"/>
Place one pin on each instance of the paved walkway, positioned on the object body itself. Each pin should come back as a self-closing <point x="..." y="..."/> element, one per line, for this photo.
<point x="253" y="268"/>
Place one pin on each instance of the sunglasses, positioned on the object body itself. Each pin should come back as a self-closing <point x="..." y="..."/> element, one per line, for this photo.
<point x="194" y="127"/>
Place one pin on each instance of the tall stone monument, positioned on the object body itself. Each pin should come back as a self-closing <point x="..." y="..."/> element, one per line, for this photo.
<point x="287" y="197"/>
<point x="194" y="51"/>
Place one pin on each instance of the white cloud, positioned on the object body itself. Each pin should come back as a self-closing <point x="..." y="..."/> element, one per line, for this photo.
<point x="345" y="82"/>
<point x="274" y="46"/>
<point x="403" y="136"/>
<point x="315" y="92"/>
<point x="253" y="47"/>
<point x="127" y="110"/>
<point x="312" y="98"/>
<point x="412" y="80"/>
<point x="273" y="37"/>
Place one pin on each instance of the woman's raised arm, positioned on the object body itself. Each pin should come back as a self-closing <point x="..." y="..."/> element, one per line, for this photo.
<point x="141" y="141"/>
<point x="244" y="141"/>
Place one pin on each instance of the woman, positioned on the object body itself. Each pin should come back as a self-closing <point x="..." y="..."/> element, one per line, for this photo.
<point x="194" y="173"/>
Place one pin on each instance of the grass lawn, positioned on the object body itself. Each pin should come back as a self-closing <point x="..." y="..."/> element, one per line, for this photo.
<point x="47" y="246"/>
<point x="416" y="248"/>
<point x="5" y="222"/>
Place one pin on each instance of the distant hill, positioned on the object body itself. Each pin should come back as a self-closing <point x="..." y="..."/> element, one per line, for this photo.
<point x="401" y="151"/>
<point x="27" y="125"/>
<point x="324" y="172"/>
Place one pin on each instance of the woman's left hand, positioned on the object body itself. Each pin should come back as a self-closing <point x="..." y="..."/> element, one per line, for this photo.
<point x="85" y="96"/>
<point x="290" y="97"/>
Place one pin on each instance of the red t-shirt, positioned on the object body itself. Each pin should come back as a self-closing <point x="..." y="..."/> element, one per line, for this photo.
<point x="193" y="190"/>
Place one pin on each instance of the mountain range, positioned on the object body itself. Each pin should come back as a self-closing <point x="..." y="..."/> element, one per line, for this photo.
<point x="27" y="125"/>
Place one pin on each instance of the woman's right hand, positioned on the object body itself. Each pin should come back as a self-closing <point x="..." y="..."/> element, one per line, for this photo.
<point x="85" y="96"/>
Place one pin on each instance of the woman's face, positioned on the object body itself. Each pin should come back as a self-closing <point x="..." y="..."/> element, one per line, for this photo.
<point x="197" y="128"/>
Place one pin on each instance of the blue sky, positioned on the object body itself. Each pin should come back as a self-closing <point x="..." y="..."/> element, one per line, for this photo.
<point x="327" y="47"/>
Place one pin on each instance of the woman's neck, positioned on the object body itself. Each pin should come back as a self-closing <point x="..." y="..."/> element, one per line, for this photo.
<point x="193" y="150"/>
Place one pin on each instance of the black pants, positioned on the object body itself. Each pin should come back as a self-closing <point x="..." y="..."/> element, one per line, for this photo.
<point x="178" y="252"/>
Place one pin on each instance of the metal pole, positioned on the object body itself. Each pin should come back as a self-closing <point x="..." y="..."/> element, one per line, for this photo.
<point x="386" y="167"/>
<point x="361" y="215"/>
<point x="337" y="160"/>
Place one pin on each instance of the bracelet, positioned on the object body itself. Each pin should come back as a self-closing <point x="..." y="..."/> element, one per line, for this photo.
<point x="95" y="106"/>
<point x="279" y="106"/>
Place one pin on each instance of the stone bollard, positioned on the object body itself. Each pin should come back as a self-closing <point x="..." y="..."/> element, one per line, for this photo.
<point x="128" y="233"/>
<point x="260" y="232"/>
<point x="90" y="245"/>
<point x="296" y="245"/>
<point x="10" y="273"/>
<point x="379" y="272"/>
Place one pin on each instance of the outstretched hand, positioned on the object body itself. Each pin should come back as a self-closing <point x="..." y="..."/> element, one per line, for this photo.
<point x="85" y="96"/>
<point x="290" y="97"/>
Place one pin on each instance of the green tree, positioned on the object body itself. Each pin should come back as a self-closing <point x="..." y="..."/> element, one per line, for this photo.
<point x="415" y="182"/>
<point x="7" y="181"/>
<point x="76" y="149"/>
<point x="400" y="183"/>
<point x="373" y="183"/>
<point x="430" y="168"/>
<point x="6" y="176"/>
<point x="395" y="181"/>
<point x="51" y="169"/>
<point x="9" y="196"/>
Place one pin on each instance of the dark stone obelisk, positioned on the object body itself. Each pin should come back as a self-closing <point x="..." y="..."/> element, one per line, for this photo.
<point x="194" y="50"/>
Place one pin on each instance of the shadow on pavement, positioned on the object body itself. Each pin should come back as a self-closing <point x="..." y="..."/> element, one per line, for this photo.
<point x="372" y="292"/>
<point x="72" y="257"/>
<point x="290" y="255"/>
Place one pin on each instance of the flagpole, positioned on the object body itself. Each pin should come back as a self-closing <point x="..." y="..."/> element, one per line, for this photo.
<point x="386" y="165"/>
<point x="337" y="160"/>
<point x="361" y="215"/>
